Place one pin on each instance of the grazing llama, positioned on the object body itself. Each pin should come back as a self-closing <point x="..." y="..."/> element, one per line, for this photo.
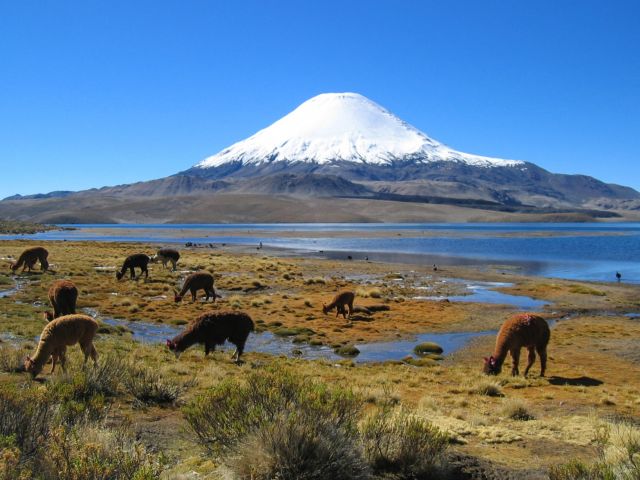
<point x="521" y="330"/>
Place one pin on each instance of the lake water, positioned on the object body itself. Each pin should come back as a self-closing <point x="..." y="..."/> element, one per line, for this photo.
<point x="592" y="251"/>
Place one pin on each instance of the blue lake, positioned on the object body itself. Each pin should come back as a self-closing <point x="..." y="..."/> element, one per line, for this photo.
<point x="585" y="251"/>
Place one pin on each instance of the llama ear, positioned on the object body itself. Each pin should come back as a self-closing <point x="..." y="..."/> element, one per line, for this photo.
<point x="492" y="361"/>
<point x="169" y="343"/>
<point x="486" y="360"/>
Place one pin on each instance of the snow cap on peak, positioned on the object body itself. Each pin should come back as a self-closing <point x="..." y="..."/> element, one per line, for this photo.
<point x="343" y="127"/>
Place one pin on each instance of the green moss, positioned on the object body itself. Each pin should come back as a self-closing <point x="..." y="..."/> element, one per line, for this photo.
<point x="427" y="348"/>
<point x="347" y="351"/>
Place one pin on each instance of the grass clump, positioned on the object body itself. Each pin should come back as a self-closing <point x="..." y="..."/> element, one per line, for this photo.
<point x="400" y="445"/>
<point x="11" y="359"/>
<point x="618" y="456"/>
<point x="516" y="409"/>
<point x="279" y="425"/>
<point x="369" y="292"/>
<point x="151" y="387"/>
<point x="347" y="351"/>
<point x="426" y="348"/>
<point x="315" y="281"/>
<point x="486" y="387"/>
<point x="584" y="290"/>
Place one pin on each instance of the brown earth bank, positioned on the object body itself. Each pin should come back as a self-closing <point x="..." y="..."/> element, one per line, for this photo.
<point x="499" y="427"/>
<point x="253" y="208"/>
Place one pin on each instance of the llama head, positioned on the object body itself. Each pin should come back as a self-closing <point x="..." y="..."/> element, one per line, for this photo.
<point x="173" y="346"/>
<point x="13" y="267"/>
<point x="119" y="275"/>
<point x="325" y="309"/>
<point x="178" y="298"/>
<point x="491" y="366"/>
<point x="30" y="366"/>
<point x="48" y="316"/>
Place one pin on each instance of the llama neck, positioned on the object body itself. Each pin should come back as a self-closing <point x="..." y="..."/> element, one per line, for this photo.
<point x="500" y="352"/>
<point x="42" y="354"/>
<point x="185" y="340"/>
<point x="185" y="287"/>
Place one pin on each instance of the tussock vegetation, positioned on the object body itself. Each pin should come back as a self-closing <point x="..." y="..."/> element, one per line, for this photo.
<point x="401" y="445"/>
<point x="282" y="425"/>
<point x="369" y="292"/>
<point x="618" y="447"/>
<point x="45" y="434"/>
<point x="150" y="386"/>
<point x="11" y="358"/>
<point x="516" y="409"/>
<point x="487" y="387"/>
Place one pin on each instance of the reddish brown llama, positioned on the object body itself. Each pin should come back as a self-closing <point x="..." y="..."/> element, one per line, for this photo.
<point x="339" y="302"/>
<point x="521" y="330"/>
<point x="193" y="283"/>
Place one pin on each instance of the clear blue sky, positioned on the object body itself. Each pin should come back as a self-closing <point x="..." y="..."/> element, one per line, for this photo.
<point x="97" y="93"/>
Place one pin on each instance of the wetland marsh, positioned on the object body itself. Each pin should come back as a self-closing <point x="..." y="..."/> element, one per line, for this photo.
<point x="593" y="373"/>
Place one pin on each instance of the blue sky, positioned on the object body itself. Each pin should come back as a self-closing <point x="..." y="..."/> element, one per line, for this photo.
<point x="96" y="93"/>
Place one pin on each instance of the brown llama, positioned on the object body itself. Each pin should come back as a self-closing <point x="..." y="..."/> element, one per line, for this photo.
<point x="139" y="260"/>
<point x="193" y="283"/>
<point x="166" y="255"/>
<point x="521" y="330"/>
<point x="57" y="335"/>
<point x="214" y="328"/>
<point x="29" y="257"/>
<point x="63" y="296"/>
<point x="339" y="301"/>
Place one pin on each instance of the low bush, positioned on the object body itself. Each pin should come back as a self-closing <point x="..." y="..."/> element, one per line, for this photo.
<point x="399" y="444"/>
<point x="618" y="457"/>
<point x="279" y="425"/>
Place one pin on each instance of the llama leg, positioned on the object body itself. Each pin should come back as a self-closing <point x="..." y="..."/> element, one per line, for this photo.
<point x="133" y="272"/>
<point x="146" y="272"/>
<point x="62" y="356"/>
<point x="543" y="360"/>
<point x="530" y="359"/>
<point x="193" y="294"/>
<point x="515" y="357"/>
<point x="213" y="295"/>
<point x="54" y="357"/>
<point x="175" y="265"/>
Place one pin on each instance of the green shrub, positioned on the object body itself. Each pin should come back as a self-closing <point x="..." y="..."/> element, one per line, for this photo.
<point x="618" y="457"/>
<point x="403" y="445"/>
<point x="94" y="452"/>
<point x="24" y="417"/>
<point x="101" y="379"/>
<point x="230" y="410"/>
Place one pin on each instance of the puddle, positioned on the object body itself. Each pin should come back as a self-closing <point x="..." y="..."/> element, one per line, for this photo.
<point x="632" y="315"/>
<point x="482" y="292"/>
<point x="267" y="342"/>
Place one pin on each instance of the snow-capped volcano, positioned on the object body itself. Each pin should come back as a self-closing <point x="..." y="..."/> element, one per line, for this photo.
<point x="343" y="127"/>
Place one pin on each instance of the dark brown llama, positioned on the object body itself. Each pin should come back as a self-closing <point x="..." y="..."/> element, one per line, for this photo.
<point x="214" y="328"/>
<point x="139" y="260"/>
<point x="29" y="257"/>
<point x="342" y="299"/>
<point x="63" y="296"/>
